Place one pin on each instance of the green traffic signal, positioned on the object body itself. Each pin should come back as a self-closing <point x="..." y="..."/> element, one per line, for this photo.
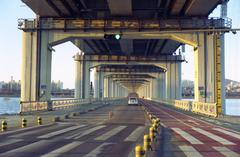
<point x="117" y="36"/>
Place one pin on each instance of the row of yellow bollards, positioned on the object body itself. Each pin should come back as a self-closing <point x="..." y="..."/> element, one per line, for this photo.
<point x="148" y="139"/>
<point x="23" y="123"/>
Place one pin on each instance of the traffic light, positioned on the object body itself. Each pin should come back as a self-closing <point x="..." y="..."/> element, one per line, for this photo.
<point x="112" y="36"/>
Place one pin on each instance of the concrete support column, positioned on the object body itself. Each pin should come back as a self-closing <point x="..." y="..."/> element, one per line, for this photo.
<point x="45" y="66"/>
<point x="168" y="81"/>
<point x="105" y="87"/>
<point x="96" y="83"/>
<point x="86" y="79"/>
<point x="110" y="82"/>
<point x="155" y="88"/>
<point x="78" y="77"/>
<point x="101" y="84"/>
<point x="178" y="80"/>
<point x="29" y="67"/>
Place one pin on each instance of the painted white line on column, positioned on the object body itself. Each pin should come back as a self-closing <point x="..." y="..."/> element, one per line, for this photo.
<point x="95" y="152"/>
<point x="61" y="131"/>
<point x="213" y="136"/>
<point x="87" y="132"/>
<point x="189" y="151"/>
<point x="134" y="136"/>
<point x="228" y="133"/>
<point x="10" y="141"/>
<point x="110" y="133"/>
<point x="226" y="152"/>
<point x="63" y="149"/>
<point x="187" y="136"/>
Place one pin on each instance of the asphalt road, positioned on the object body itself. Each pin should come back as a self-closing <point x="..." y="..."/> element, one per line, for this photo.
<point x="183" y="135"/>
<point x="86" y="135"/>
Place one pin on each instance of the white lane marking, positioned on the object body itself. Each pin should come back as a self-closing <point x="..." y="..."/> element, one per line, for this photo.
<point x="226" y="152"/>
<point x="26" y="148"/>
<point x="63" y="149"/>
<point x="187" y="136"/>
<point x="95" y="152"/>
<point x="110" y="133"/>
<point x="213" y="136"/>
<point x="192" y="121"/>
<point x="189" y="151"/>
<point x="228" y="133"/>
<point x="134" y="136"/>
<point x="61" y="131"/>
<point x="79" y="135"/>
<point x="10" y="141"/>
<point x="32" y="132"/>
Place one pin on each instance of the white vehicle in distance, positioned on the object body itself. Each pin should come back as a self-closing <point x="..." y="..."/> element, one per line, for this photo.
<point x="132" y="101"/>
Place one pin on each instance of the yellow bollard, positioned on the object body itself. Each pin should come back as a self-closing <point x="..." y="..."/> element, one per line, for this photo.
<point x="139" y="152"/>
<point x="24" y="122"/>
<point x="151" y="134"/>
<point x="4" y="125"/>
<point x="146" y="142"/>
<point x="39" y="120"/>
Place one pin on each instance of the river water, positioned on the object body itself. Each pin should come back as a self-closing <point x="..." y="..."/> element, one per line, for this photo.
<point x="11" y="105"/>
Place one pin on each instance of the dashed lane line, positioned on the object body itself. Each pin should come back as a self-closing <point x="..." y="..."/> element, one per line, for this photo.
<point x="52" y="134"/>
<point x="226" y="152"/>
<point x="189" y="151"/>
<point x="227" y="132"/>
<point x="63" y="149"/>
<point x="110" y="133"/>
<point x="135" y="134"/>
<point x="213" y="136"/>
<point x="95" y="152"/>
<point x="187" y="136"/>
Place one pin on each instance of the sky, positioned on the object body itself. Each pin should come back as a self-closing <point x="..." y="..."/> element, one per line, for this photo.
<point x="63" y="64"/>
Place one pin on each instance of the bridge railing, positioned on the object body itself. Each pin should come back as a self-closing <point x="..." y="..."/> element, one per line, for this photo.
<point x="31" y="106"/>
<point x="207" y="109"/>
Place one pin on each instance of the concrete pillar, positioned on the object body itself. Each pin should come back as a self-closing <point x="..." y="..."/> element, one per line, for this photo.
<point x="86" y="79"/>
<point x="105" y="87"/>
<point x="168" y="81"/>
<point x="178" y="80"/>
<point x="155" y="88"/>
<point x="45" y="66"/>
<point x="78" y="77"/>
<point x="29" y="68"/>
<point x="101" y="84"/>
<point x="110" y="82"/>
<point x="173" y="81"/>
<point x="96" y="83"/>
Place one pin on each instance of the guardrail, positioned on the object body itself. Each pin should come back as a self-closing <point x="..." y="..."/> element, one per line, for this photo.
<point x="208" y="109"/>
<point x="56" y="104"/>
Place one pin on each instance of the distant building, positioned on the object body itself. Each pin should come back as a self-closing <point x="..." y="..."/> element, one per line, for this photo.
<point x="57" y="86"/>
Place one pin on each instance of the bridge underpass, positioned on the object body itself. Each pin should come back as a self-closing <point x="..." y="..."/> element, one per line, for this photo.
<point x="145" y="59"/>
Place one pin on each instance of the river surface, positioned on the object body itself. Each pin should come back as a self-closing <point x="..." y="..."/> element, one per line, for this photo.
<point x="11" y="105"/>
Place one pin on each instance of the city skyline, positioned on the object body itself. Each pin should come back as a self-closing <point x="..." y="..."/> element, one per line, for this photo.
<point x="63" y="63"/>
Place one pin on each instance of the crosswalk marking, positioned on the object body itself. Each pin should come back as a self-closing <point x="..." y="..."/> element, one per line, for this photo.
<point x="226" y="152"/>
<point x="25" y="148"/>
<point x="110" y="133"/>
<point x="187" y="136"/>
<point x="79" y="135"/>
<point x="213" y="136"/>
<point x="10" y="141"/>
<point x="189" y="151"/>
<point x="30" y="132"/>
<point x="63" y="149"/>
<point x="135" y="134"/>
<point x="95" y="152"/>
<point x="228" y="133"/>
<point x="61" y="131"/>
